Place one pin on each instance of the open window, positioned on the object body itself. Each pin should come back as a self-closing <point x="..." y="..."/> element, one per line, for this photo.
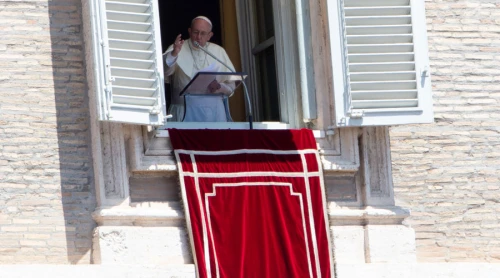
<point x="380" y="62"/>
<point x="379" y="59"/>
<point x="128" y="48"/>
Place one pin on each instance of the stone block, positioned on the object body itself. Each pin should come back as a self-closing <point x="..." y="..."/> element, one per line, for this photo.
<point x="114" y="245"/>
<point x="348" y="244"/>
<point x="390" y="244"/>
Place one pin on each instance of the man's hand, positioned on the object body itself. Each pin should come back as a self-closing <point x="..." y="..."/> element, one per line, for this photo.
<point x="177" y="45"/>
<point x="213" y="86"/>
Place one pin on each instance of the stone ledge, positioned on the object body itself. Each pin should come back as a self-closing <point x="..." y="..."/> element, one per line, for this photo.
<point x="171" y="214"/>
<point x="419" y="270"/>
<point x="368" y="216"/>
<point x="141" y="214"/>
<point x="95" y="271"/>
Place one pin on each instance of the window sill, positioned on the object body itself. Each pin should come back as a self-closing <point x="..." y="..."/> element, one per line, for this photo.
<point x="157" y="155"/>
<point x="163" y="132"/>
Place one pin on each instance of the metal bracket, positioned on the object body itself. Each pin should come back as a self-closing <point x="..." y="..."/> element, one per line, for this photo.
<point x="356" y="114"/>
<point x="330" y="131"/>
<point x="425" y="71"/>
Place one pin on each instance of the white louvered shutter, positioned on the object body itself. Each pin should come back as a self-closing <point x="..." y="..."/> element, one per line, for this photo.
<point x="380" y="62"/>
<point x="132" y="89"/>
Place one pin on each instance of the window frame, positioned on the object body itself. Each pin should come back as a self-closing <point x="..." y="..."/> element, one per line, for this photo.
<point x="287" y="64"/>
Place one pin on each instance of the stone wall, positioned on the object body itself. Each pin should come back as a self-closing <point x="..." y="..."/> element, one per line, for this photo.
<point x="448" y="173"/>
<point x="46" y="183"/>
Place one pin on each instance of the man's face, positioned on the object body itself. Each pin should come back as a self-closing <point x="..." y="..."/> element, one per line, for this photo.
<point x="200" y="31"/>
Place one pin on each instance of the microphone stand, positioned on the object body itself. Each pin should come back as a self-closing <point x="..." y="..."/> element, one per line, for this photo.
<point x="245" y="89"/>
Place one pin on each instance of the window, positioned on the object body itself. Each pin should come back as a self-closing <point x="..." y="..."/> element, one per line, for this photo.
<point x="268" y="43"/>
<point x="378" y="49"/>
<point x="265" y="59"/>
<point x="380" y="62"/>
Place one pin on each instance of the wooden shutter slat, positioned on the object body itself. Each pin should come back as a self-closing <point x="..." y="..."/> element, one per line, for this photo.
<point x="131" y="63"/>
<point x="379" y="39"/>
<point x="399" y="103"/>
<point x="130" y="45"/>
<point x="130" y="1"/>
<point x="134" y="101"/>
<point x="378" y="20"/>
<point x="383" y="76"/>
<point x="127" y="7"/>
<point x="132" y="72"/>
<point x="384" y="85"/>
<point x="129" y="35"/>
<point x="131" y="91"/>
<point x="131" y="54"/>
<point x="381" y="67"/>
<point x="377" y="11"/>
<point x="385" y="94"/>
<point x="132" y="17"/>
<point x="134" y="82"/>
<point x="373" y="3"/>
<point x="381" y="58"/>
<point x="132" y="26"/>
<point x="380" y="48"/>
<point x="379" y="30"/>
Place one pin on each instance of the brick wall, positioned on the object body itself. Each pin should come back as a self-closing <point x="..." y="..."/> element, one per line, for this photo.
<point x="448" y="173"/>
<point x="46" y="187"/>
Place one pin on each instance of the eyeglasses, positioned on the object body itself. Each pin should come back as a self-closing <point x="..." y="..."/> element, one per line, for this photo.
<point x="200" y="33"/>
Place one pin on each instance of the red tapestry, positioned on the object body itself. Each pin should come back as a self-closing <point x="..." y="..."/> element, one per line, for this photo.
<point x="255" y="202"/>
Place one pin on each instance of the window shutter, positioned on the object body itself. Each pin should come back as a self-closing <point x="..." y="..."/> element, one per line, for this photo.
<point x="131" y="89"/>
<point x="380" y="62"/>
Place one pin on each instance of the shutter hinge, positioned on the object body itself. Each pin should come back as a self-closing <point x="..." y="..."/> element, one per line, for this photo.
<point x="356" y="114"/>
<point x="425" y="71"/>
<point x="330" y="131"/>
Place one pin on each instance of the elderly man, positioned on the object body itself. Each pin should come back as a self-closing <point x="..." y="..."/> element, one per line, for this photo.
<point x="184" y="59"/>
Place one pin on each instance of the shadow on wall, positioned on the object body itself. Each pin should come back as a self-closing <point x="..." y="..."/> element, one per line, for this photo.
<point x="73" y="127"/>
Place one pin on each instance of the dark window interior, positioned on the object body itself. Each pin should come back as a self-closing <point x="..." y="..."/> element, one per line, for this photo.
<point x="175" y="19"/>
<point x="176" y="16"/>
<point x="264" y="53"/>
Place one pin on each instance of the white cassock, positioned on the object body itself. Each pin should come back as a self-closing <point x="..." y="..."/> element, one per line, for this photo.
<point x="184" y="67"/>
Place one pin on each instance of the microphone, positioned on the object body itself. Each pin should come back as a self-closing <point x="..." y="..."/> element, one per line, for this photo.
<point x="245" y="89"/>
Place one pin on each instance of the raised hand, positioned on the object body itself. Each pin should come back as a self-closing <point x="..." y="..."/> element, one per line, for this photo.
<point x="177" y="45"/>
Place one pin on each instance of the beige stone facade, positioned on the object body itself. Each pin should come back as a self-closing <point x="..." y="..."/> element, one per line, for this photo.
<point x="46" y="177"/>
<point x="446" y="173"/>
